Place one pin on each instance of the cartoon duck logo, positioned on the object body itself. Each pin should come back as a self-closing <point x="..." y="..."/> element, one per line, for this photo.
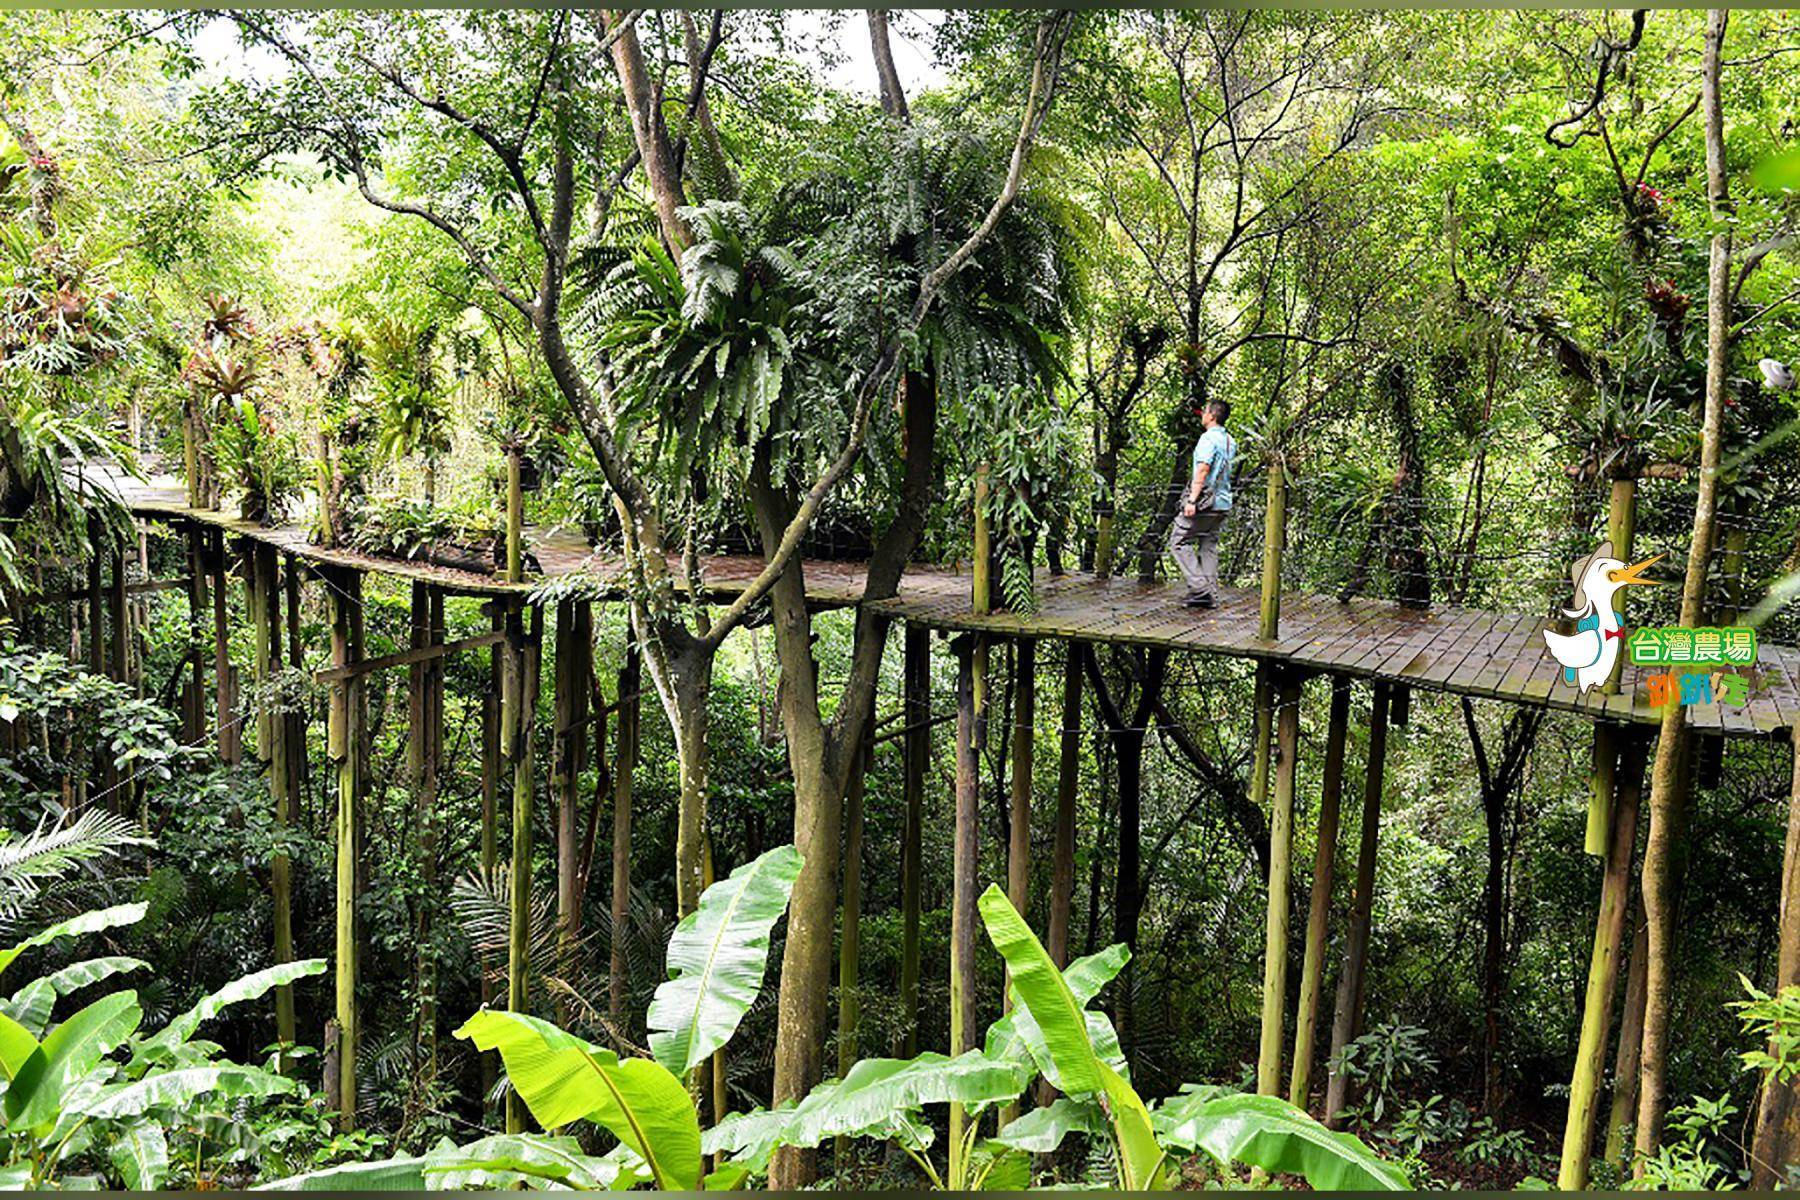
<point x="1587" y="655"/>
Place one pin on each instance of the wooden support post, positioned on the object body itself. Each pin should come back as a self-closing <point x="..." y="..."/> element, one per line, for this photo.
<point x="276" y="753"/>
<point x="1018" y="849"/>
<point x="231" y="738"/>
<point x="916" y="761"/>
<point x="1312" y="970"/>
<point x="96" y="601"/>
<point x="190" y="455"/>
<point x="194" y="730"/>
<point x="342" y="735"/>
<point x="521" y="700"/>
<point x="515" y="517"/>
<point x="1346" y="1024"/>
<point x="572" y="687"/>
<point x="1776" y="1143"/>
<point x="1631" y="1043"/>
<point x="1281" y="844"/>
<point x="630" y="675"/>
<point x="1068" y="786"/>
<point x="1621" y="531"/>
<point x="296" y="649"/>
<point x="121" y="620"/>
<point x="963" y="919"/>
<point x="850" y="933"/>
<point x="1603" y="970"/>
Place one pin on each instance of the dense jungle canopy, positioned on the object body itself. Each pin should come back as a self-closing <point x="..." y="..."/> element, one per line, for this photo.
<point x="756" y="296"/>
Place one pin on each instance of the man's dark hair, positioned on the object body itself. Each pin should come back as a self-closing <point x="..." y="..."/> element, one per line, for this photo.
<point x="1220" y="410"/>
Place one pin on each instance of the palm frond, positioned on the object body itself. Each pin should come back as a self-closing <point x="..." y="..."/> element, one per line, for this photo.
<point x="29" y="861"/>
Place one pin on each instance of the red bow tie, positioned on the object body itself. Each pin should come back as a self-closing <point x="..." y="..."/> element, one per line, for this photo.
<point x="1614" y="633"/>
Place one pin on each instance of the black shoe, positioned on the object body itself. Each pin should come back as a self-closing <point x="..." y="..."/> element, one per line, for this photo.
<point x="1199" y="602"/>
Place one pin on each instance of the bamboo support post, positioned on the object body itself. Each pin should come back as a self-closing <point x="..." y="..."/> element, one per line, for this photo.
<point x="231" y="741"/>
<point x="1603" y="970"/>
<point x="1621" y="531"/>
<point x="276" y="752"/>
<point x="342" y="736"/>
<point x="121" y="620"/>
<point x="850" y="933"/>
<point x="1630" y="1043"/>
<point x="916" y="761"/>
<point x="1274" y="540"/>
<point x="195" y="729"/>
<point x="1312" y="970"/>
<point x="1346" y="1023"/>
<point x="963" y="917"/>
<point x="572" y="689"/>
<point x="1281" y="838"/>
<point x="623" y="770"/>
<point x="518" y="709"/>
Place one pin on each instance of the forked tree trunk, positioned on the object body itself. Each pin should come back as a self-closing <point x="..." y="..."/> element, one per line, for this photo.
<point x="1668" y="785"/>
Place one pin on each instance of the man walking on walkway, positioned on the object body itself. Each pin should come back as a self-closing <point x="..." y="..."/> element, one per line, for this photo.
<point x="1194" y="538"/>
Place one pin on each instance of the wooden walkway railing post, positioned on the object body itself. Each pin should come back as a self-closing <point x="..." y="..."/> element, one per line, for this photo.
<point x="1312" y="970"/>
<point x="916" y="751"/>
<point x="194" y="726"/>
<point x="1346" y="1022"/>
<point x="1603" y="968"/>
<point x="342" y="735"/>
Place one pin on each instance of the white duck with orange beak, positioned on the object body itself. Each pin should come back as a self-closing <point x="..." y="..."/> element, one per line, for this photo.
<point x="1587" y="655"/>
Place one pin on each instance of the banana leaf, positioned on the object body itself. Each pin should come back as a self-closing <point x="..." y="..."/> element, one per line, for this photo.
<point x="383" y="1175"/>
<point x="180" y="1088"/>
<point x="141" y="1156"/>
<point x="1062" y="1022"/>
<point x="504" y="1160"/>
<point x="879" y="1096"/>
<point x="1270" y="1133"/>
<point x="716" y="960"/>
<point x="1043" y="1130"/>
<point x="562" y="1078"/>
<point x="71" y="1052"/>
<point x="32" y="1004"/>
<point x="176" y="1033"/>
<point x="87" y="922"/>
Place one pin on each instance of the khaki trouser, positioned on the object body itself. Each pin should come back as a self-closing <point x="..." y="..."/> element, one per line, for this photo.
<point x="1194" y="541"/>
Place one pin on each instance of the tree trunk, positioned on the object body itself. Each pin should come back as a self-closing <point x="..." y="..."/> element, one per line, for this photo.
<point x="1062" y="863"/>
<point x="1776" y="1145"/>
<point x="965" y="865"/>
<point x="520" y="709"/>
<point x="1346" y="1023"/>
<point x="573" y="687"/>
<point x="1631" y="1044"/>
<point x="1668" y="785"/>
<point x="850" y="940"/>
<point x="346" y="639"/>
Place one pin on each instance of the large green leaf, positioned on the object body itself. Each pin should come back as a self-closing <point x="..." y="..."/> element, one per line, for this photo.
<point x="562" y="1079"/>
<point x="716" y="960"/>
<point x="1270" y="1133"/>
<point x="180" y="1088"/>
<point x="1043" y="992"/>
<point x="173" y="1035"/>
<point x="141" y="1155"/>
<point x="1043" y="1130"/>
<point x="384" y="1175"/>
<point x="73" y="1049"/>
<point x="879" y="1095"/>
<point x="87" y="922"/>
<point x="17" y="1045"/>
<point x="504" y="1160"/>
<point x="32" y="1004"/>
<point x="1016" y="1035"/>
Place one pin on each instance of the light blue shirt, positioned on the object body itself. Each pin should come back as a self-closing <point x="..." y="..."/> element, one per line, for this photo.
<point x="1216" y="448"/>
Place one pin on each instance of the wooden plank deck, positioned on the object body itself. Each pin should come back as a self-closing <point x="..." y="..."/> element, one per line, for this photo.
<point x="1461" y="651"/>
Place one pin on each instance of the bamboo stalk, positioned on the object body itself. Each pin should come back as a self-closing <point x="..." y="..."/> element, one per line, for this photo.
<point x="1312" y="968"/>
<point x="1346" y="1024"/>
<point x="1281" y="845"/>
<point x="916" y="682"/>
<point x="1603" y="972"/>
<point x="346" y="616"/>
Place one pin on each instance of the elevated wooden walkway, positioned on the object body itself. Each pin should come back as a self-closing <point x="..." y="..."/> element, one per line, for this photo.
<point x="1462" y="651"/>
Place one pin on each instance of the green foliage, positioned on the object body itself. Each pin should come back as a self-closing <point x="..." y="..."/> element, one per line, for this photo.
<point x="716" y="960"/>
<point x="1383" y="1059"/>
<point x="1774" y="1023"/>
